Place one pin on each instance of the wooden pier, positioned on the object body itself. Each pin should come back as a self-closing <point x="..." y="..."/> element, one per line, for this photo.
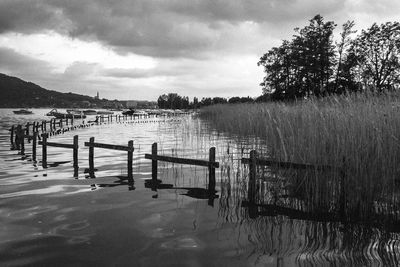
<point x="211" y="164"/>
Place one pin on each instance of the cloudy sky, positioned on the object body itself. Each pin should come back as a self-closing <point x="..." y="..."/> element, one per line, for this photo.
<point x="139" y="49"/>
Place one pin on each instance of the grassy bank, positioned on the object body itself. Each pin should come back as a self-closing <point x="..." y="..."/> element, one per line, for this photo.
<point x="358" y="132"/>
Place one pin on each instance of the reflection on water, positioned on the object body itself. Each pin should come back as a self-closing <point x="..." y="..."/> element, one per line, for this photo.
<point x="50" y="218"/>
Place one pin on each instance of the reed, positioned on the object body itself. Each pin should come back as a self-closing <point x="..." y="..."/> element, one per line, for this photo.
<point x="358" y="133"/>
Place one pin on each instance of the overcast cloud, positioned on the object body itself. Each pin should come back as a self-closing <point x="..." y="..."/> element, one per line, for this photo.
<point x="141" y="49"/>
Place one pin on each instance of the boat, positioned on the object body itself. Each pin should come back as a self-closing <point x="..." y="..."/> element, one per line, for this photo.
<point x="60" y="115"/>
<point x="74" y="111"/>
<point x="22" y="112"/>
<point x="90" y="112"/>
<point x="129" y="112"/>
<point x="105" y="112"/>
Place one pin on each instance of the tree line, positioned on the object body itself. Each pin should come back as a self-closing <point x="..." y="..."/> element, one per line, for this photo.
<point x="175" y="101"/>
<point x="312" y="64"/>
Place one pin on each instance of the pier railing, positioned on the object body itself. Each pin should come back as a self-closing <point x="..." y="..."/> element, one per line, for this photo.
<point x="74" y="146"/>
<point x="91" y="144"/>
<point x="211" y="164"/>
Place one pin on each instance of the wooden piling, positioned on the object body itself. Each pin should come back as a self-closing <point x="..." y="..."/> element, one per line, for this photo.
<point x="34" y="142"/>
<point x="211" y="170"/>
<point x="251" y="192"/>
<point x="12" y="137"/>
<point x="91" y="159"/>
<point x="44" y="150"/>
<point x="27" y="129"/>
<point x="21" y="139"/>
<point x="154" y="165"/>
<point x="130" y="159"/>
<point x="75" y="155"/>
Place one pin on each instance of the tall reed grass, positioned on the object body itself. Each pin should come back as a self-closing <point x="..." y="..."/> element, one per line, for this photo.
<point x="358" y="133"/>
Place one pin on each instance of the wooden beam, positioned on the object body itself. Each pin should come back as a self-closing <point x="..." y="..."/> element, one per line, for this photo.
<point x="288" y="165"/>
<point x="71" y="146"/>
<point x="197" y="162"/>
<point x="108" y="146"/>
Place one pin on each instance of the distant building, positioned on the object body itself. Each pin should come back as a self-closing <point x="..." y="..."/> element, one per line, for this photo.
<point x="97" y="96"/>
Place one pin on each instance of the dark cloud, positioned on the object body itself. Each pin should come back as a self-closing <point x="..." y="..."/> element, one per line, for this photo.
<point x="23" y="66"/>
<point x="157" y="28"/>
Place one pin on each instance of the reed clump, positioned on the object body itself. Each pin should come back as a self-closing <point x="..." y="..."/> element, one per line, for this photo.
<point x="359" y="134"/>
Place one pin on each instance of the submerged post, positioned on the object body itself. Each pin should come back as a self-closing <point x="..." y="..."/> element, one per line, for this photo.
<point x="34" y="141"/>
<point x="154" y="165"/>
<point x="21" y="138"/>
<point x="211" y="170"/>
<point x="130" y="159"/>
<point x="12" y="137"/>
<point x="44" y="150"/>
<point x="91" y="158"/>
<point x="251" y="193"/>
<point x="75" y="155"/>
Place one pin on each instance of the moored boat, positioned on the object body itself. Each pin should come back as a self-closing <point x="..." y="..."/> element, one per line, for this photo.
<point x="104" y="112"/>
<point x="22" y="112"/>
<point x="90" y="112"/>
<point x="60" y="115"/>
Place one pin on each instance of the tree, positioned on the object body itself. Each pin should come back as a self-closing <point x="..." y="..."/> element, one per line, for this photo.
<point x="173" y="101"/>
<point x="376" y="53"/>
<point x="344" y="80"/>
<point x="302" y="66"/>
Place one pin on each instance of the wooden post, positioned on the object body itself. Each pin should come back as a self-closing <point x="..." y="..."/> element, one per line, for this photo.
<point x="75" y="155"/>
<point x="22" y="140"/>
<point x="130" y="159"/>
<point x="251" y="193"/>
<point x="110" y="120"/>
<point x="72" y="119"/>
<point x="154" y="166"/>
<point x="66" y="121"/>
<point x="44" y="150"/>
<point x="91" y="159"/>
<point x="61" y="123"/>
<point x="12" y="137"/>
<point x="211" y="171"/>
<point x="27" y="129"/>
<point x="34" y="141"/>
<point x="54" y="125"/>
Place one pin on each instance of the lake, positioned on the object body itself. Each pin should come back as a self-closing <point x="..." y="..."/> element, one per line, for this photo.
<point x="50" y="218"/>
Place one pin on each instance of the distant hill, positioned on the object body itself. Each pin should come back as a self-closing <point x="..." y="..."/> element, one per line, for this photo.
<point x="16" y="93"/>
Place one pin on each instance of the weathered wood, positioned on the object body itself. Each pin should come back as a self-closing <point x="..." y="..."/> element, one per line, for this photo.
<point x="108" y="146"/>
<point x="154" y="165"/>
<point x="44" y="150"/>
<point x="130" y="161"/>
<point x="71" y="146"/>
<point x="27" y="129"/>
<point x="197" y="162"/>
<point x="91" y="158"/>
<point x="34" y="141"/>
<point x="12" y="137"/>
<point x="288" y="165"/>
<point x="75" y="156"/>
<point x="20" y="139"/>
<point x="211" y="171"/>
<point x="251" y="192"/>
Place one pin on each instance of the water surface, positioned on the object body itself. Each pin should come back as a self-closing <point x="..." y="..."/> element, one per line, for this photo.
<point x="50" y="218"/>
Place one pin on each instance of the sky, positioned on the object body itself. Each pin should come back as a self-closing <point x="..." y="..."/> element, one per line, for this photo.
<point x="141" y="49"/>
